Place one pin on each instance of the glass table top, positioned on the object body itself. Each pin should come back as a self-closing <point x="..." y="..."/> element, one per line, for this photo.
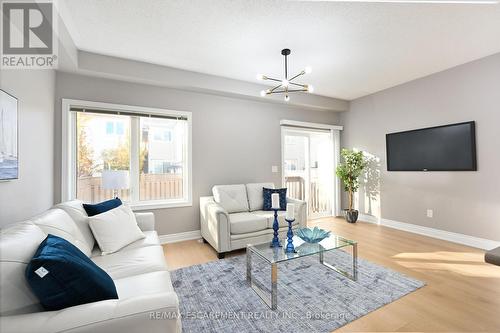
<point x="302" y="248"/>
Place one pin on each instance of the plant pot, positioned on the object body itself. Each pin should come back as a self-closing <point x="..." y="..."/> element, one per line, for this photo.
<point x="351" y="216"/>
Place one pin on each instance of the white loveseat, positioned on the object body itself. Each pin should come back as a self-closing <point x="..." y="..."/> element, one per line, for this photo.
<point x="147" y="301"/>
<point x="233" y="217"/>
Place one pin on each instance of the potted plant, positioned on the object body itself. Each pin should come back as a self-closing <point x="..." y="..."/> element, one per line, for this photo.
<point x="349" y="172"/>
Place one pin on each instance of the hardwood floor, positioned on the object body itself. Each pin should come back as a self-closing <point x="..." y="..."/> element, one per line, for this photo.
<point x="462" y="292"/>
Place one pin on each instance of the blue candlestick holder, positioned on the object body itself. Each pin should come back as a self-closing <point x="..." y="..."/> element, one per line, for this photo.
<point x="289" y="245"/>
<point x="275" y="242"/>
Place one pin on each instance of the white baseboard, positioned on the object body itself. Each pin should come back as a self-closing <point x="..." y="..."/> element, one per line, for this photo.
<point x="481" y="243"/>
<point x="182" y="236"/>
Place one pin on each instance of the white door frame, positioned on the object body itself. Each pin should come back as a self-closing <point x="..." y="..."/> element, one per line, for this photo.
<point x="335" y="133"/>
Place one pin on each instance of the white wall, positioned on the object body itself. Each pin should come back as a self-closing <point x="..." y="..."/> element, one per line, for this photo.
<point x="33" y="192"/>
<point x="234" y="140"/>
<point x="463" y="202"/>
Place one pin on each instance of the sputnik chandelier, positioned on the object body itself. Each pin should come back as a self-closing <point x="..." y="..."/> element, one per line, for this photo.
<point x="286" y="85"/>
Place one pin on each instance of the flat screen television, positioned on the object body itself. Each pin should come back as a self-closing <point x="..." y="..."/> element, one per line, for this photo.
<point x="441" y="148"/>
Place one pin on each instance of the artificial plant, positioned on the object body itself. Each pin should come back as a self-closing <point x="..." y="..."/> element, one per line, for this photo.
<point x="349" y="171"/>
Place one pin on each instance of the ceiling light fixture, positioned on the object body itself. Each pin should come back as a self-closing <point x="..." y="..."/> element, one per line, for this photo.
<point x="284" y="84"/>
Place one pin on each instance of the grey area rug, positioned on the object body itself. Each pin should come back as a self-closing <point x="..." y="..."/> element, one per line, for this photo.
<point x="215" y="297"/>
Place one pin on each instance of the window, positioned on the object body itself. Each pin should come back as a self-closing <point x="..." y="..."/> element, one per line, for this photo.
<point x="115" y="127"/>
<point x="160" y="134"/>
<point x="99" y="147"/>
<point x="152" y="145"/>
<point x="120" y="128"/>
<point x="291" y="164"/>
<point x="291" y="140"/>
<point x="162" y="161"/>
<point x="110" y="128"/>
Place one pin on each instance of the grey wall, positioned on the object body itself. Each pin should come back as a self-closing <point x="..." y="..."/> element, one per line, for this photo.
<point x="33" y="192"/>
<point x="463" y="202"/>
<point x="234" y="140"/>
<point x="237" y="141"/>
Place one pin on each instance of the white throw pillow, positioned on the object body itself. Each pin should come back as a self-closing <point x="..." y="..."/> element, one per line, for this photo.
<point x="115" y="229"/>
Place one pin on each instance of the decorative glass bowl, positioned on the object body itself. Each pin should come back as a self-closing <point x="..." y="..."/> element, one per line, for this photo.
<point x="315" y="235"/>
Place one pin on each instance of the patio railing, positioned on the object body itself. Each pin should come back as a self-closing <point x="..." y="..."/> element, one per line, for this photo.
<point x="318" y="202"/>
<point x="152" y="187"/>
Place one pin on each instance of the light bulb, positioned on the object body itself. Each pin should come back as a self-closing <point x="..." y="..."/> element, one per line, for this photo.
<point x="310" y="88"/>
<point x="263" y="93"/>
<point x="260" y="77"/>
<point x="308" y="69"/>
<point x="285" y="83"/>
<point x="287" y="98"/>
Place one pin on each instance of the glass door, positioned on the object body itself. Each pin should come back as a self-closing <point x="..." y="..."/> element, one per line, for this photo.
<point x="308" y="168"/>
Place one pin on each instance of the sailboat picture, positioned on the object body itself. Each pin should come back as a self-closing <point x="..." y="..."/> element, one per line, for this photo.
<point x="9" y="163"/>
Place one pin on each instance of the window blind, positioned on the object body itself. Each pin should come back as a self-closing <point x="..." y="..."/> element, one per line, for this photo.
<point x="127" y="113"/>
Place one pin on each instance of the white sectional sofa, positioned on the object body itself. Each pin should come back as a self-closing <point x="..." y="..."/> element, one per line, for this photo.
<point x="147" y="301"/>
<point x="233" y="217"/>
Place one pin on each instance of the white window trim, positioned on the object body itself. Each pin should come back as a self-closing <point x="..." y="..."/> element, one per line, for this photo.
<point x="309" y="125"/>
<point x="68" y="175"/>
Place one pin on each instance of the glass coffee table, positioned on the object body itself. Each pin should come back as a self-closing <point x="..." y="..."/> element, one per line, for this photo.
<point x="273" y="256"/>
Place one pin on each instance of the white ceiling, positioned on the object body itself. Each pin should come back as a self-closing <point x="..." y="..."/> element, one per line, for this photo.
<point x="354" y="48"/>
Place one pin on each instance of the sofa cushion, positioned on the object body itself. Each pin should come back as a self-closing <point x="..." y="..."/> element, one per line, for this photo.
<point x="62" y="276"/>
<point x="18" y="244"/>
<point x="233" y="198"/>
<point x="268" y="192"/>
<point x="144" y="284"/>
<point x="269" y="216"/>
<point x="115" y="229"/>
<point x="132" y="262"/>
<point x="255" y="195"/>
<point x="74" y="208"/>
<point x="242" y="223"/>
<point x="57" y="222"/>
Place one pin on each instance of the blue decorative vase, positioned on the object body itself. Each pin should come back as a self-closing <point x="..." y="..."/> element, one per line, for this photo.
<point x="289" y="245"/>
<point x="275" y="242"/>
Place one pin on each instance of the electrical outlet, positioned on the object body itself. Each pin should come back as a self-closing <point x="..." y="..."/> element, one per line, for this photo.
<point x="274" y="169"/>
<point x="430" y="213"/>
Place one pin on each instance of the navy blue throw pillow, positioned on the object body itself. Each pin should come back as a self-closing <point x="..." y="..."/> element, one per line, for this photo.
<point x="267" y="197"/>
<point x="60" y="275"/>
<point x="102" y="207"/>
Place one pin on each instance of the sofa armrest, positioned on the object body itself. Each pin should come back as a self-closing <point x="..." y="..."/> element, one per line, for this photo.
<point x="145" y="221"/>
<point x="148" y="313"/>
<point x="215" y="228"/>
<point x="300" y="211"/>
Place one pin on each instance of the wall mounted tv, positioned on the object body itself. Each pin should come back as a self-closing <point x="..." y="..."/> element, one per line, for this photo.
<point x="441" y="148"/>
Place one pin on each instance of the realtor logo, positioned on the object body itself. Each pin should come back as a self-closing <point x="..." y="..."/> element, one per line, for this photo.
<point x="28" y="35"/>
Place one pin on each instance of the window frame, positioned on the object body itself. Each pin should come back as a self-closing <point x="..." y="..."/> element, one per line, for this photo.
<point x="68" y="167"/>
